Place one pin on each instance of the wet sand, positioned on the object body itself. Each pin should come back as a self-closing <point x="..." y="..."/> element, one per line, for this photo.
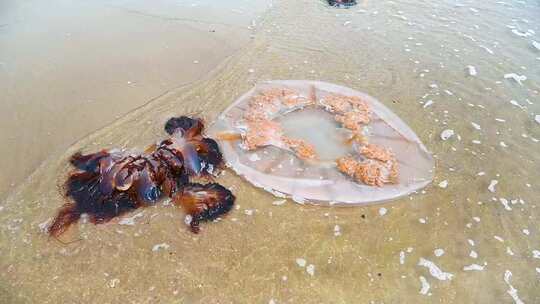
<point x="70" y="68"/>
<point x="454" y="242"/>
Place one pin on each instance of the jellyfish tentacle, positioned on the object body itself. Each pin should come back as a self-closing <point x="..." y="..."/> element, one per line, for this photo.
<point x="204" y="202"/>
<point x="209" y="155"/>
<point x="107" y="184"/>
<point x="88" y="162"/>
<point x="108" y="175"/>
<point x="187" y="125"/>
<point x="67" y="215"/>
<point x="191" y="159"/>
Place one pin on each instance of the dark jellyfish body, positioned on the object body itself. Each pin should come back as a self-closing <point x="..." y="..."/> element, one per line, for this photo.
<point x="107" y="184"/>
<point x="342" y="3"/>
<point x="204" y="202"/>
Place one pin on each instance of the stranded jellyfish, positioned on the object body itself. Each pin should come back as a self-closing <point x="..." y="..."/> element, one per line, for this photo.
<point x="342" y="3"/>
<point x="322" y="143"/>
<point x="107" y="184"/>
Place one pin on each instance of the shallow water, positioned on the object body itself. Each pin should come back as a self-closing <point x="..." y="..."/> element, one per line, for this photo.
<point x="68" y="68"/>
<point x="404" y="53"/>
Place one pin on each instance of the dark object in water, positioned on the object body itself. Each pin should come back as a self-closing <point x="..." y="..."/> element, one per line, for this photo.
<point x="342" y="3"/>
<point x="204" y="202"/>
<point x="107" y="184"/>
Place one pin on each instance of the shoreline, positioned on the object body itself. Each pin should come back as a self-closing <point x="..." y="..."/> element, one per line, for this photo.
<point x="76" y="79"/>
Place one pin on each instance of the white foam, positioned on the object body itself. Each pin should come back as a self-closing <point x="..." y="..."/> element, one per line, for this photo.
<point x="443" y="184"/>
<point x="130" y="220"/>
<point x="428" y="103"/>
<point x="337" y="230"/>
<point x="446" y="134"/>
<point x="509" y="251"/>
<point x="475" y="267"/>
<point x="521" y="34"/>
<point x="505" y="204"/>
<point x="279" y="202"/>
<point x="472" y="70"/>
<point x="487" y="49"/>
<point x="512" y="291"/>
<point x="516" y="77"/>
<point x="515" y="103"/>
<point x="492" y="185"/>
<point x="160" y="246"/>
<point x="425" y="286"/>
<point x="310" y="269"/>
<point x="434" y="270"/>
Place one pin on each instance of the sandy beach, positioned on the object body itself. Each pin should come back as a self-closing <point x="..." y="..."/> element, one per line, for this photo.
<point x="87" y="81"/>
<point x="70" y="68"/>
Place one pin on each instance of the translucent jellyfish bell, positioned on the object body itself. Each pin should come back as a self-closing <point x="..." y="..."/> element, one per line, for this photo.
<point x="322" y="143"/>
